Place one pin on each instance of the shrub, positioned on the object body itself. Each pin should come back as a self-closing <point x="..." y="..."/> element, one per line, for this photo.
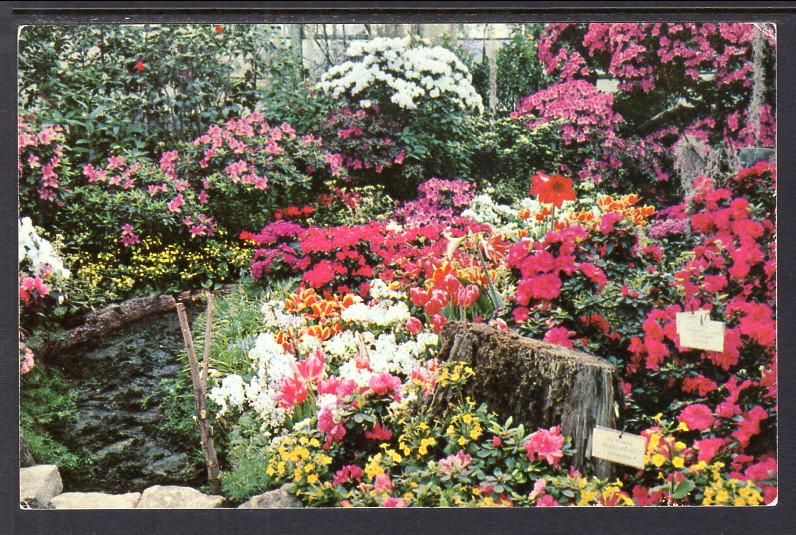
<point x="399" y="76"/>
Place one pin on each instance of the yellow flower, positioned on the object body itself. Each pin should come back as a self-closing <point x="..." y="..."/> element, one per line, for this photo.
<point x="678" y="462"/>
<point x="462" y="441"/>
<point x="309" y="467"/>
<point x="312" y="479"/>
<point x="658" y="460"/>
<point x="297" y="474"/>
<point x="722" y="497"/>
<point x="467" y="418"/>
<point x="682" y="427"/>
<point x="373" y="466"/>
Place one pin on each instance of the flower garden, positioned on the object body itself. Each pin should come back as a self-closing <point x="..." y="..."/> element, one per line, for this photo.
<point x="351" y="216"/>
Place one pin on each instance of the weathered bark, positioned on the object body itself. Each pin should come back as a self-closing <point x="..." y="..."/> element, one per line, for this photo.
<point x="115" y="317"/>
<point x="537" y="383"/>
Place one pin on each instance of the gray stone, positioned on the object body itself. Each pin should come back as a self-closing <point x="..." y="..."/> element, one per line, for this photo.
<point x="273" y="499"/>
<point x="95" y="500"/>
<point x="38" y="485"/>
<point x="172" y="497"/>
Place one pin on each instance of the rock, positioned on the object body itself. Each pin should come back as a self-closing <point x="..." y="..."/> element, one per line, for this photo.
<point x="273" y="499"/>
<point x="38" y="485"/>
<point x="172" y="497"/>
<point x="96" y="500"/>
<point x="537" y="383"/>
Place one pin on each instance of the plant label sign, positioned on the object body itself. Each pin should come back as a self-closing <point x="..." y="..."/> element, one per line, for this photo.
<point x="618" y="447"/>
<point x="696" y="330"/>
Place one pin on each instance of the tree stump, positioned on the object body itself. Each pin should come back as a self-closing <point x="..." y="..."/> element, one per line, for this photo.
<point x="537" y="383"/>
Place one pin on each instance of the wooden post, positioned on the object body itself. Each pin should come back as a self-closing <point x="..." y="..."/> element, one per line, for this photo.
<point x="199" y="382"/>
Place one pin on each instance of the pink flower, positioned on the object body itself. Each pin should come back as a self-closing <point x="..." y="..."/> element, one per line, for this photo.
<point x="331" y="426"/>
<point x="455" y="463"/>
<point x="538" y="488"/>
<point x="347" y="473"/>
<point x="697" y="417"/>
<point x="438" y="321"/>
<point x="384" y="383"/>
<point x="292" y="392"/>
<point x="383" y="482"/>
<point x="128" y="235"/>
<point x="547" y="501"/>
<point x="394" y="502"/>
<point x="176" y="203"/>
<point x="560" y="336"/>
<point x="547" y="444"/>
<point x="311" y="368"/>
<point x="496" y="441"/>
<point x="414" y="325"/>
<point x="708" y="447"/>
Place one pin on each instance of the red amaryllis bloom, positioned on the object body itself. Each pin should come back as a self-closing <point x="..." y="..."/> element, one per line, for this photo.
<point x="139" y="66"/>
<point x="552" y="189"/>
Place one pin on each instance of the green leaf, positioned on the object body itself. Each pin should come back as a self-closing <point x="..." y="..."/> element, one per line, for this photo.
<point x="683" y="489"/>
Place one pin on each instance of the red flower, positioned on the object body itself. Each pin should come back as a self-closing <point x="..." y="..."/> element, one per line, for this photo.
<point x="552" y="189"/>
<point x="218" y="29"/>
<point x="139" y="66"/>
<point x="379" y="432"/>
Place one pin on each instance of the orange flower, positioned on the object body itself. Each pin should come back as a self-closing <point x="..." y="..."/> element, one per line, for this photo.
<point x="552" y="189"/>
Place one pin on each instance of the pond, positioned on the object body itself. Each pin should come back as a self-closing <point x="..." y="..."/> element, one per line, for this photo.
<point x="122" y="423"/>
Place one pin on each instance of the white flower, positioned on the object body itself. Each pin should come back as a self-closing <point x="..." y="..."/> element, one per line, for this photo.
<point x="404" y="72"/>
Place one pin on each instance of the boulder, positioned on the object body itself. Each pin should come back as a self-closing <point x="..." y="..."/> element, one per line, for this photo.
<point x="95" y="500"/>
<point x="273" y="499"/>
<point x="173" y="497"/>
<point x="38" y="485"/>
<point x="537" y="383"/>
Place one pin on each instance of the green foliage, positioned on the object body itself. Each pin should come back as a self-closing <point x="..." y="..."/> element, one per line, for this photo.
<point x="139" y="86"/>
<point x="244" y="474"/>
<point x="46" y="405"/>
<point x="508" y="153"/>
<point x="519" y="71"/>
<point x="287" y="95"/>
<point x="353" y="206"/>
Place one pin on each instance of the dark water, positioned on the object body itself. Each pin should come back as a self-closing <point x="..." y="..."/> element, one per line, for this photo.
<point x="121" y="422"/>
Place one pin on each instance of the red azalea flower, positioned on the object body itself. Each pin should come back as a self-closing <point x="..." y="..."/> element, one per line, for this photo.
<point x="552" y="189"/>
